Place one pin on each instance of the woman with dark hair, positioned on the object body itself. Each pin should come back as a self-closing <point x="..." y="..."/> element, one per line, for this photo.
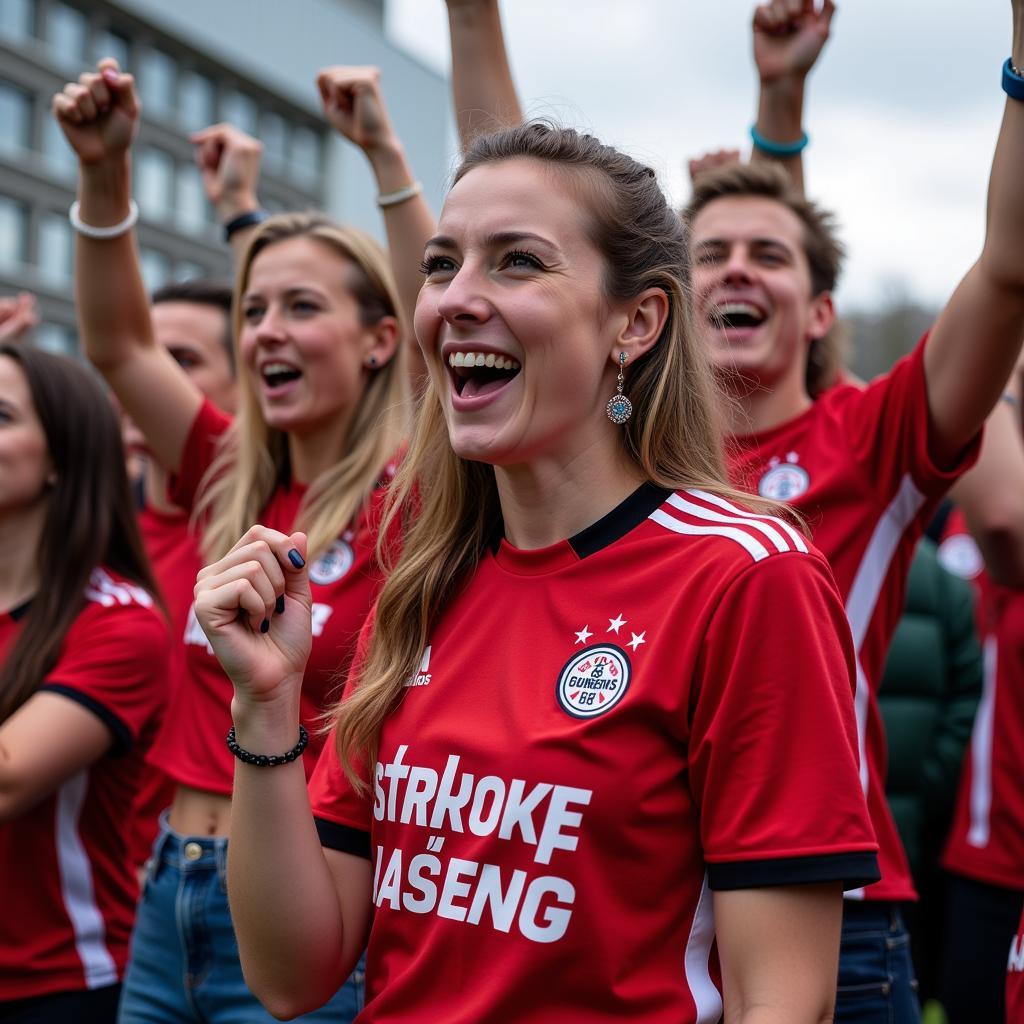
<point x="82" y="652"/>
<point x="573" y="770"/>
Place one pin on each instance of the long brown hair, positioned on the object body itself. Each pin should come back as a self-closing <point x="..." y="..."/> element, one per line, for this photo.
<point x="90" y="515"/>
<point x="253" y="458"/>
<point x="674" y="436"/>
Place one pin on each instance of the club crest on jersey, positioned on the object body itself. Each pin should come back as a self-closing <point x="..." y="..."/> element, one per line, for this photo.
<point x="334" y="562"/>
<point x="785" y="479"/>
<point x="593" y="681"/>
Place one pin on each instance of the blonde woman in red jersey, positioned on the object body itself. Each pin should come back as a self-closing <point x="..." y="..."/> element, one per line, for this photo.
<point x="570" y="782"/>
<point x="322" y="412"/>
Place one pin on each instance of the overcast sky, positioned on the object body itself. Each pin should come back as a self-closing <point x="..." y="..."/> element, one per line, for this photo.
<point x="903" y="109"/>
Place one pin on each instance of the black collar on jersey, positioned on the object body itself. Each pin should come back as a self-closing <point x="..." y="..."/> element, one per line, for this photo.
<point x="623" y="518"/>
<point x="21" y="610"/>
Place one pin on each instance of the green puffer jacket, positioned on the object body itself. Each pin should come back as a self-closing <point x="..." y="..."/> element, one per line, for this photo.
<point x="930" y="691"/>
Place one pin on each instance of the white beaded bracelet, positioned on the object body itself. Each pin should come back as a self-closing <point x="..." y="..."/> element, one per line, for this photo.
<point x="114" y="231"/>
<point x="400" y="195"/>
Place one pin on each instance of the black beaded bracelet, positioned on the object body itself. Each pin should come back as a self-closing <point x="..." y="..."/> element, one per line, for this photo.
<point x="267" y="760"/>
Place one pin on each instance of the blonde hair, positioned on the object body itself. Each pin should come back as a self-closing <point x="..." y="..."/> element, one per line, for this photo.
<point x="252" y="460"/>
<point x="449" y="507"/>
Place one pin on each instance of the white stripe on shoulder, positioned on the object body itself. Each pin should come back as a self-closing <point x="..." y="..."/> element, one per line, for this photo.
<point x="793" y="534"/>
<point x="105" y="590"/>
<point x="753" y="546"/>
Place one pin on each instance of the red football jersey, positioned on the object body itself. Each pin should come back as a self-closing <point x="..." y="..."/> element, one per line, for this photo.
<point x="1015" y="979"/>
<point x="344" y="581"/>
<point x="67" y="884"/>
<point x="857" y="466"/>
<point x="600" y="733"/>
<point x="986" y="839"/>
<point x="174" y="555"/>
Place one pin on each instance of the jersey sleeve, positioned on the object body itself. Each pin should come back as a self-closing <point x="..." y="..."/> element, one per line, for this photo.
<point x="772" y="755"/>
<point x="891" y="432"/>
<point x="113" y="662"/>
<point x="341" y="814"/>
<point x="201" y="447"/>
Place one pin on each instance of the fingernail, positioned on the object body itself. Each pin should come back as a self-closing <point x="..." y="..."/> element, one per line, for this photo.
<point x="265" y="626"/>
<point x="279" y="605"/>
<point x="296" y="559"/>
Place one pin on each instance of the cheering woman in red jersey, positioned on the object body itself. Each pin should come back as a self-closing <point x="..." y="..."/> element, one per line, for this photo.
<point x="82" y="652"/>
<point x="598" y="755"/>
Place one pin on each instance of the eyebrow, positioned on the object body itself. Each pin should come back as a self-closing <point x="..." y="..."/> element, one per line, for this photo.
<point x="762" y="243"/>
<point x="289" y="292"/>
<point x="494" y="240"/>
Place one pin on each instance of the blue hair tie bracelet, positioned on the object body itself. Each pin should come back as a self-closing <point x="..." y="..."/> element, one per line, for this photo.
<point x="781" y="149"/>
<point x="1013" y="83"/>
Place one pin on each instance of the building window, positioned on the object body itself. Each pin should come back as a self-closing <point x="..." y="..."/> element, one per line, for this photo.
<point x="59" y="156"/>
<point x="191" y="205"/>
<point x="187" y="270"/>
<point x="54" y="249"/>
<point x="17" y="19"/>
<point x="158" y="74"/>
<point x="13" y="234"/>
<point x="154" y="183"/>
<point x="274" y="136"/>
<point x="241" y="111"/>
<point x="113" y="44"/>
<point x="198" y="96"/>
<point x="56" y="338"/>
<point x="305" y="155"/>
<point x="156" y="268"/>
<point x="66" y="32"/>
<point x="15" y="120"/>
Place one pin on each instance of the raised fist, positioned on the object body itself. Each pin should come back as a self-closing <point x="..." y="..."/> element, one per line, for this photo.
<point x="789" y="35"/>
<point x="712" y="161"/>
<point x="99" y="114"/>
<point x="354" y="105"/>
<point x="18" y="315"/>
<point x="229" y="161"/>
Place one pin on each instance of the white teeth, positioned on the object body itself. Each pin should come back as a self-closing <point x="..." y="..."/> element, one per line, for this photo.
<point x="278" y="368"/>
<point x="739" y="309"/>
<point x="489" y="359"/>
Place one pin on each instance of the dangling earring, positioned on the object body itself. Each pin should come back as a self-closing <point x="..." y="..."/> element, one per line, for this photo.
<point x="619" y="407"/>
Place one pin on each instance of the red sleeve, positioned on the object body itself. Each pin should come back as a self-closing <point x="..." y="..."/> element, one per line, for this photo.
<point x="341" y="814"/>
<point x="773" y="743"/>
<point x="113" y="662"/>
<point x="891" y="432"/>
<point x="201" y="447"/>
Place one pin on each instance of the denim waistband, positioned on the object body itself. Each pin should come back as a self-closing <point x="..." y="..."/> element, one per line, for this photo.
<point x="860" y="915"/>
<point x="188" y="854"/>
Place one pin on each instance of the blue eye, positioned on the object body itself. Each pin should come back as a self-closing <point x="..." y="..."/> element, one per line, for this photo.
<point x="437" y="265"/>
<point x="519" y="259"/>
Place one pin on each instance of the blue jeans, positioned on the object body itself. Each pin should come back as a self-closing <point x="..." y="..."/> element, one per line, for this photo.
<point x="183" y="966"/>
<point x="876" y="975"/>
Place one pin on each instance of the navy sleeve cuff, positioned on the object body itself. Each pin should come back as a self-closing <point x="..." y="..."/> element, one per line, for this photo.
<point x="852" y="869"/>
<point x="343" y="838"/>
<point x="123" y="738"/>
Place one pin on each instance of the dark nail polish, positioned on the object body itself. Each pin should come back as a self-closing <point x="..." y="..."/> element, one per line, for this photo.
<point x="279" y="605"/>
<point x="296" y="559"/>
<point x="265" y="626"/>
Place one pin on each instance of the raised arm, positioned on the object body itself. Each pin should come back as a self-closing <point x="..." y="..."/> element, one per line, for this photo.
<point x="976" y="340"/>
<point x="301" y="914"/>
<point x="99" y="114"/>
<point x="482" y="87"/>
<point x="229" y="161"/>
<point x="991" y="493"/>
<point x="789" y="36"/>
<point x="18" y="315"/>
<point x="354" y="105"/>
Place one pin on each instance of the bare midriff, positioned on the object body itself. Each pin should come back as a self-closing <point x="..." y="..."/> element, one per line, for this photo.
<point x="197" y="812"/>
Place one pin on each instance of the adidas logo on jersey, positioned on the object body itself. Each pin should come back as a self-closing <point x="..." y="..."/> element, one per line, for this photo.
<point x="422" y="676"/>
<point x="105" y="590"/>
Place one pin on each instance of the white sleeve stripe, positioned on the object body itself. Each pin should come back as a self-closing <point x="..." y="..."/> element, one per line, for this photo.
<point x="699" y="512"/>
<point x="754" y="547"/>
<point x="714" y="499"/>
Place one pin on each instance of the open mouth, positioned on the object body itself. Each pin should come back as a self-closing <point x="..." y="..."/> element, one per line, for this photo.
<point x="481" y="373"/>
<point x="277" y="375"/>
<point x="736" y="315"/>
